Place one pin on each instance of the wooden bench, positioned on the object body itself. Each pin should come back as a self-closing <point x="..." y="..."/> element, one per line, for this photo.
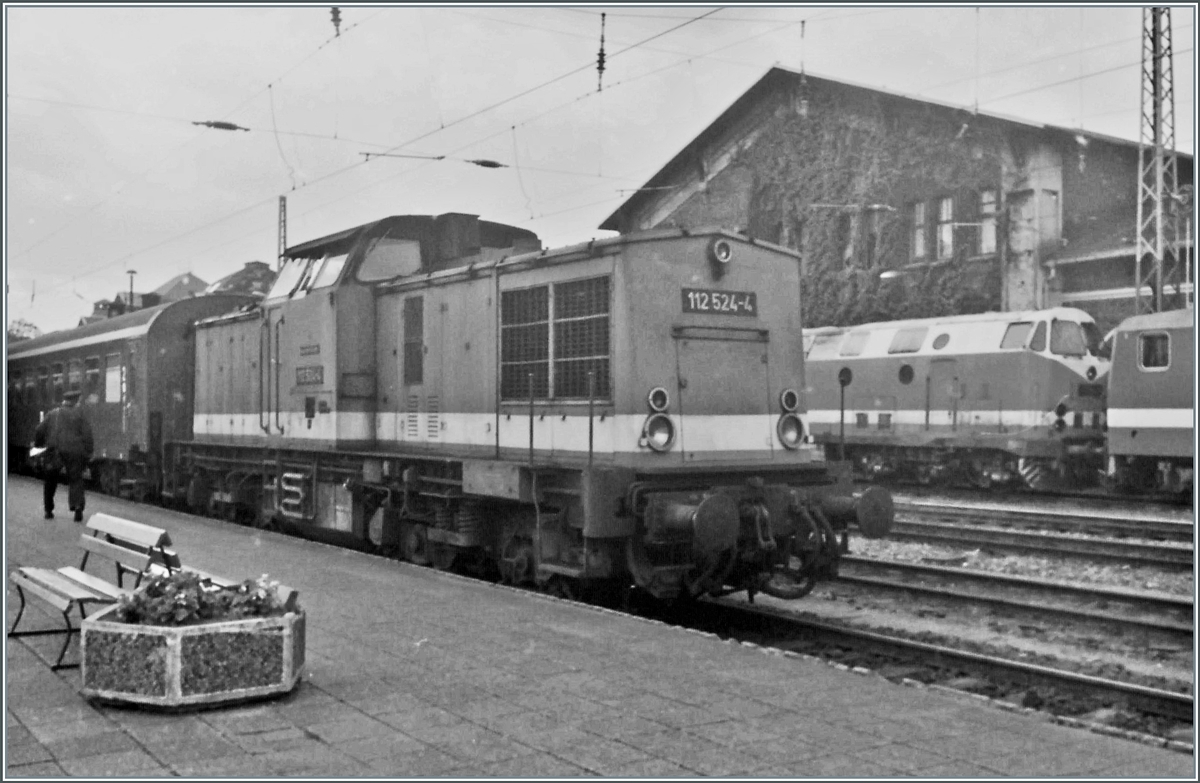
<point x="131" y="546"/>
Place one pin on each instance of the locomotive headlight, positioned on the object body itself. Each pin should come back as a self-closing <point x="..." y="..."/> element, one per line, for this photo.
<point x="720" y="251"/>
<point x="659" y="432"/>
<point x="790" y="430"/>
<point x="789" y="400"/>
<point x="658" y="399"/>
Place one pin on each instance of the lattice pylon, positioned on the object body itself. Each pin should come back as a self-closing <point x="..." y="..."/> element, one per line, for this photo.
<point x="282" y="233"/>
<point x="1157" y="261"/>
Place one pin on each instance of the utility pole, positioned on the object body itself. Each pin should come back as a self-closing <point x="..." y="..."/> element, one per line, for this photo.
<point x="1156" y="264"/>
<point x="282" y="233"/>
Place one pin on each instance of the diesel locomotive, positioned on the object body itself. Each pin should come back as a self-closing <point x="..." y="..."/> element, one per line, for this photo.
<point x="1015" y="397"/>
<point x="622" y="411"/>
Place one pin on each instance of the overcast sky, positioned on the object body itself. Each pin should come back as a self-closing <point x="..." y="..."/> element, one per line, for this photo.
<point x="106" y="172"/>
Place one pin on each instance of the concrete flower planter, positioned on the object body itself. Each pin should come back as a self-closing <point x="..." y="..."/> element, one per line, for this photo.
<point x="208" y="664"/>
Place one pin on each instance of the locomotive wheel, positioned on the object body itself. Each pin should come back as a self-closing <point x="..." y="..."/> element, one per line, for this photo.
<point x="414" y="546"/>
<point x="443" y="556"/>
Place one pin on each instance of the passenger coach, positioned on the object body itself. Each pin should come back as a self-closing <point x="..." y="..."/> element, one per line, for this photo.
<point x="134" y="373"/>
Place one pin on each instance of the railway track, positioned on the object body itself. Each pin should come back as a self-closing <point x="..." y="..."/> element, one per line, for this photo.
<point x="1092" y="522"/>
<point x="1155" y="613"/>
<point x="974" y="536"/>
<point x="1058" y="690"/>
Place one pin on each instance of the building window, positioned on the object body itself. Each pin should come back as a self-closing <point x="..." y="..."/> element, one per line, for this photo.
<point x="1154" y="351"/>
<point x="414" y="341"/>
<point x="987" y="222"/>
<point x="558" y="335"/>
<point x="918" y="230"/>
<point x="945" y="229"/>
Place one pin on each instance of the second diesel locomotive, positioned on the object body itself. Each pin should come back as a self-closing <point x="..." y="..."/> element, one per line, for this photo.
<point x="982" y="399"/>
<point x="624" y="410"/>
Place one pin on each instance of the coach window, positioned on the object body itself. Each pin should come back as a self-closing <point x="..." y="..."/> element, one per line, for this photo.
<point x="388" y="258"/>
<point x="43" y="385"/>
<point x="414" y="341"/>
<point x="854" y="342"/>
<point x="112" y="377"/>
<point x="1016" y="334"/>
<point x="56" y="375"/>
<point x="74" y="375"/>
<point x="91" y="378"/>
<point x="1067" y="338"/>
<point x="331" y="268"/>
<point x="1038" y="343"/>
<point x="1154" y="351"/>
<point x="908" y="340"/>
<point x="30" y="387"/>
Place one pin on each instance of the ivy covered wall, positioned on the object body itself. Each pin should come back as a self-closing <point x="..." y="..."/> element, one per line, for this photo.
<point x="809" y="182"/>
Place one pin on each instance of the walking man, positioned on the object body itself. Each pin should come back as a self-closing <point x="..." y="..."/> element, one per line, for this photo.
<point x="67" y="437"/>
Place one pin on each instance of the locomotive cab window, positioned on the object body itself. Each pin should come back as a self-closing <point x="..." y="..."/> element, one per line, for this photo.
<point x="552" y="338"/>
<point x="290" y="276"/>
<point x="1067" y="339"/>
<point x="854" y="343"/>
<point x="1038" y="343"/>
<point x="388" y="258"/>
<point x="331" y="267"/>
<point x="1016" y="334"/>
<point x="1154" y="351"/>
<point x="908" y="340"/>
<point x="824" y="346"/>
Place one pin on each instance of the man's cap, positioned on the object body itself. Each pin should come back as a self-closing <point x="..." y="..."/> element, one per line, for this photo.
<point x="70" y="396"/>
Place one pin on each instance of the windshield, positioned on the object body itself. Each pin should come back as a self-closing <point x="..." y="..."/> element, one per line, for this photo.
<point x="329" y="271"/>
<point x="1067" y="339"/>
<point x="288" y="277"/>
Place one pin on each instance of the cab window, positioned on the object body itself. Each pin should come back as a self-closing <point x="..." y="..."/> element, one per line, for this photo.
<point x="388" y="258"/>
<point x="1015" y="334"/>
<point x="854" y="342"/>
<point x="1154" y="351"/>
<point x="908" y="340"/>
<point x="1091" y="333"/>
<point x="1038" y="343"/>
<point x="331" y="268"/>
<point x="824" y="346"/>
<point x="1067" y="338"/>
<point x="289" y="278"/>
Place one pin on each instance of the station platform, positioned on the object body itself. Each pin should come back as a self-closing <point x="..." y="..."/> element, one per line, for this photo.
<point x="412" y="672"/>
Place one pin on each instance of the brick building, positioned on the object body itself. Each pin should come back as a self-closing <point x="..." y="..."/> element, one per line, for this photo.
<point x="906" y="207"/>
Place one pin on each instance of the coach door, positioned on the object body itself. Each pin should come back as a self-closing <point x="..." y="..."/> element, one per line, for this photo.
<point x="723" y="393"/>
<point x="941" y="394"/>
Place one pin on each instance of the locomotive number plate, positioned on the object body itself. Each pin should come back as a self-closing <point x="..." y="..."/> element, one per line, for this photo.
<point x="697" y="300"/>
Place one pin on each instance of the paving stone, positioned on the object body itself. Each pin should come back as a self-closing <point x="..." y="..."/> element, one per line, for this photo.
<point x="27" y="753"/>
<point x="44" y="769"/>
<point x="533" y="765"/>
<point x="346" y="729"/>
<point x="122" y="764"/>
<point x="90" y="745"/>
<point x="654" y="768"/>
<point x="273" y="741"/>
<point x="393" y="744"/>
<point x="427" y="762"/>
<point x="600" y="755"/>
<point x="902" y="758"/>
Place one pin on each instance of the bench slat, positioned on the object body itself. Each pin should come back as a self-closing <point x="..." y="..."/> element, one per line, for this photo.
<point x="56" y="589"/>
<point x="137" y="561"/>
<point x="135" y="532"/>
<point x="95" y="584"/>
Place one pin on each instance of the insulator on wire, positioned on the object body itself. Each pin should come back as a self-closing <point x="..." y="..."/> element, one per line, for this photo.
<point x="600" y="58"/>
<point x="336" y="14"/>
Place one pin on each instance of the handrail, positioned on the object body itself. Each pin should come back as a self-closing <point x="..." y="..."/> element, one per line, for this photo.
<point x="278" y="398"/>
<point x="264" y="375"/>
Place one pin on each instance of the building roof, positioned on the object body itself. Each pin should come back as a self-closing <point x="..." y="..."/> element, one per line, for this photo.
<point x="180" y="286"/>
<point x="779" y="79"/>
